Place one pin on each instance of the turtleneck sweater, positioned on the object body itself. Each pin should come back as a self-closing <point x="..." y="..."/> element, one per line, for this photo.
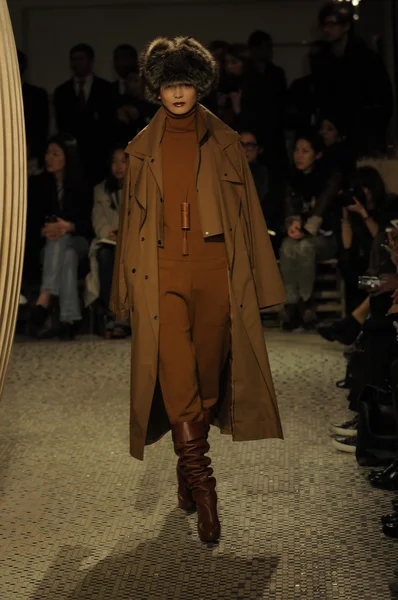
<point x="180" y="151"/>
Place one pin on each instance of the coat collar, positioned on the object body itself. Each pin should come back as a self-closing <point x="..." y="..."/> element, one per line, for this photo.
<point x="147" y="142"/>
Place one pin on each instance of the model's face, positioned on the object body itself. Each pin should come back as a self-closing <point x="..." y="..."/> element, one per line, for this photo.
<point x="179" y="98"/>
<point x="329" y="133"/>
<point x="250" y="147"/>
<point x="119" y="163"/>
<point x="333" y="30"/>
<point x="81" y="64"/>
<point x="233" y="65"/>
<point x="55" y="159"/>
<point x="304" y="156"/>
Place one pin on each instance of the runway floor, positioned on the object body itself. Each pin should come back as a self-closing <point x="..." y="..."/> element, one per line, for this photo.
<point x="81" y="520"/>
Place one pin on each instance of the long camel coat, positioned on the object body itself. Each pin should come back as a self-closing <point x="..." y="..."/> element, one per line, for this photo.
<point x="247" y="406"/>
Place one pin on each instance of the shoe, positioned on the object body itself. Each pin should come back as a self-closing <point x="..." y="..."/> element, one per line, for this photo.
<point x="307" y="314"/>
<point x="37" y="320"/>
<point x="191" y="445"/>
<point x="67" y="331"/>
<point x="290" y="317"/>
<point x="391" y="518"/>
<point x="347" y="429"/>
<point x="391" y="530"/>
<point x="345" y="331"/>
<point x="184" y="493"/>
<point x="345" y="444"/>
<point x="385" y="480"/>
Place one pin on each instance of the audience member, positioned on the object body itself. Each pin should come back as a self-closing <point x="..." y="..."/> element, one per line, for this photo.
<point x="132" y="111"/>
<point x="272" y="209"/>
<point x="105" y="217"/>
<point x="215" y="101"/>
<point x="302" y="106"/>
<point x="83" y="108"/>
<point x="36" y="113"/>
<point x="59" y="206"/>
<point x="310" y="227"/>
<point x="125" y="61"/>
<point x="351" y="79"/>
<point x="338" y="151"/>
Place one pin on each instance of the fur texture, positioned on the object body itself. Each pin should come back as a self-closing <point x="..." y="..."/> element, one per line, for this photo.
<point x="180" y="60"/>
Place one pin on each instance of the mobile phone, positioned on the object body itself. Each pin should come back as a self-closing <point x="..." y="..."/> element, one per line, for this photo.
<point x="51" y="219"/>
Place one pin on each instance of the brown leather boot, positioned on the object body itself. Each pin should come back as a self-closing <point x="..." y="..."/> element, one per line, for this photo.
<point x="184" y="494"/>
<point x="190" y="445"/>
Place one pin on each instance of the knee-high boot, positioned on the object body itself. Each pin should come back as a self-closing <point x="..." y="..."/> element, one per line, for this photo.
<point x="190" y="445"/>
<point x="184" y="493"/>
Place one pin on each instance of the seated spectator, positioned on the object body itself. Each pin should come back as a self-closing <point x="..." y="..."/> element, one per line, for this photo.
<point x="59" y="206"/>
<point x="107" y="198"/>
<point x="359" y="258"/>
<point x="273" y="214"/>
<point x="338" y="152"/>
<point x="310" y="227"/>
<point x="132" y="111"/>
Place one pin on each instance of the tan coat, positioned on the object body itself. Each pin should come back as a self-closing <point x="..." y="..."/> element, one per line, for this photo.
<point x="247" y="407"/>
<point x="104" y="218"/>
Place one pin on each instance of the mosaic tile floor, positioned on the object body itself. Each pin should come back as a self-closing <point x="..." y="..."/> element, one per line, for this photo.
<point x="81" y="520"/>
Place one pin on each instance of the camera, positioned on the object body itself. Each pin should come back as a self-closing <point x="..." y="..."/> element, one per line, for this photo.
<point x="51" y="219"/>
<point x="370" y="284"/>
<point x="347" y="198"/>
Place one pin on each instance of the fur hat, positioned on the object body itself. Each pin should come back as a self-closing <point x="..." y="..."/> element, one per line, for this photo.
<point x="180" y="60"/>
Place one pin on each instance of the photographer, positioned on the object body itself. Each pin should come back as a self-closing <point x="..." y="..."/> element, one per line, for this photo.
<point x="310" y="227"/>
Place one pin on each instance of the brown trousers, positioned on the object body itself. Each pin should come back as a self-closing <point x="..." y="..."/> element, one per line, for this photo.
<point x="194" y="323"/>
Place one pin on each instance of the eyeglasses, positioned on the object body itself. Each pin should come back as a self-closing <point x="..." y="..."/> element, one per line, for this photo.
<point x="249" y="145"/>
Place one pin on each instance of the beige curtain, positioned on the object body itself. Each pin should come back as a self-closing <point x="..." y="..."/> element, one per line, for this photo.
<point x="12" y="188"/>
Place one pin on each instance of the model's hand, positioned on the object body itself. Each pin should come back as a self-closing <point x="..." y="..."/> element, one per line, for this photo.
<point x="294" y="231"/>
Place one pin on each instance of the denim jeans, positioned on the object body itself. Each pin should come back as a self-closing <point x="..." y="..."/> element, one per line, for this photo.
<point x="298" y="260"/>
<point x="61" y="260"/>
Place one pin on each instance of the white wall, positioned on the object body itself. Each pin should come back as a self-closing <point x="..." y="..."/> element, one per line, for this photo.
<point x="46" y="29"/>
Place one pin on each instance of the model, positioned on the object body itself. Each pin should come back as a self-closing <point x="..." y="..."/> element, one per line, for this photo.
<point x="194" y="264"/>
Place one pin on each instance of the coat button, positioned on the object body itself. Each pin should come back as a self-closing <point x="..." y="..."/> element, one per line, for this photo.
<point x="161" y="199"/>
<point x="225" y="174"/>
<point x="155" y="317"/>
<point x="133" y="270"/>
<point x="159" y="242"/>
<point x="152" y="160"/>
<point x="230" y="228"/>
<point x="241" y="306"/>
<point x="146" y="276"/>
<point x="142" y="239"/>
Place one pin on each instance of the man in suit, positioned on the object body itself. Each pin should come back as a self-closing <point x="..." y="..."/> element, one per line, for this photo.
<point x="83" y="108"/>
<point x="125" y="61"/>
<point x="36" y="114"/>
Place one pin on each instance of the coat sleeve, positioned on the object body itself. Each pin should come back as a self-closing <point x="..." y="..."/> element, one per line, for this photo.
<point x="119" y="302"/>
<point x="266" y="275"/>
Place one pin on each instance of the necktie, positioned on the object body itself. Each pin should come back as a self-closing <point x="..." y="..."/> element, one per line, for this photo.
<point x="80" y="93"/>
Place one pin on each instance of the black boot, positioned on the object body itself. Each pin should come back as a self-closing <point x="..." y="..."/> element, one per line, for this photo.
<point x="345" y="331"/>
<point x="67" y="331"/>
<point x="387" y="479"/>
<point x="37" y="319"/>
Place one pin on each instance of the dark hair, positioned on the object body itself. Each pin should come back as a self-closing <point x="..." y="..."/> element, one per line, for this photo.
<point x="88" y="50"/>
<point x="73" y="168"/>
<point x="312" y="136"/>
<point x="111" y="183"/>
<point x="238" y="51"/>
<point x="370" y="178"/>
<point x="252" y="131"/>
<point x="343" y="12"/>
<point x="337" y="119"/>
<point x="126" y="48"/>
<point x="258" y="38"/>
<point x="23" y="61"/>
